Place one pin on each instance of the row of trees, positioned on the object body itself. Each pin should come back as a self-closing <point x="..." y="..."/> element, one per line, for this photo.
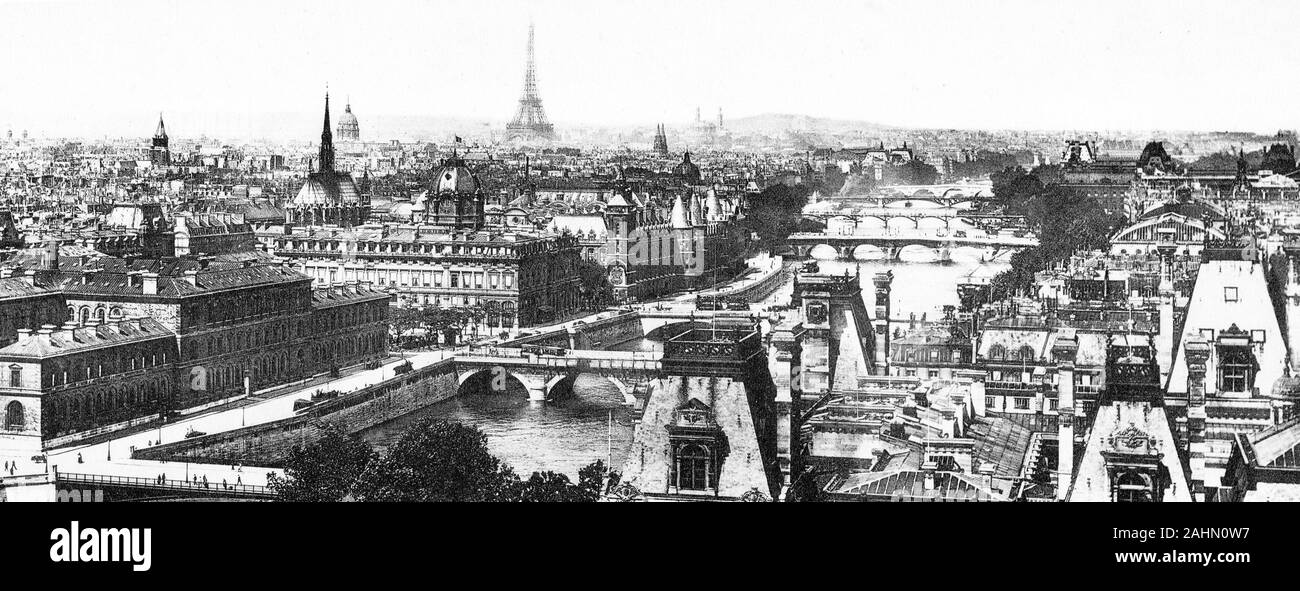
<point x="1064" y="222"/>
<point x="433" y="461"/>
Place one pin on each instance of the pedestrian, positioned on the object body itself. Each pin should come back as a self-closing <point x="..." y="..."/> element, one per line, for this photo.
<point x="79" y="461"/>
<point x="239" y="481"/>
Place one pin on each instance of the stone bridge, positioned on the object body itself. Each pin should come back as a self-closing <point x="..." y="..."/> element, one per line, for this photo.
<point x="548" y="376"/>
<point x="889" y="243"/>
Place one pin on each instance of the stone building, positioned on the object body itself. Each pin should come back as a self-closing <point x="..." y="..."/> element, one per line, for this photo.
<point x="25" y="306"/>
<point x="74" y="378"/>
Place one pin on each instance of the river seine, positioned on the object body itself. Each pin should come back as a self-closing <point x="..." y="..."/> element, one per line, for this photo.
<point x="594" y="425"/>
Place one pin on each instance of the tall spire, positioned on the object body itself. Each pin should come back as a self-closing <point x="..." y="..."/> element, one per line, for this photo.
<point x="530" y="119"/>
<point x="161" y="132"/>
<point x="326" y="157"/>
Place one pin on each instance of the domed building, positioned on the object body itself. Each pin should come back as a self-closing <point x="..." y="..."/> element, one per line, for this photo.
<point x="687" y="170"/>
<point x="349" y="129"/>
<point x="328" y="196"/>
<point x="454" y="201"/>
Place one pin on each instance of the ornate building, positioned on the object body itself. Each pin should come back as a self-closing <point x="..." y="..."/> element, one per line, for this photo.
<point x="349" y="129"/>
<point x="453" y="202"/>
<point x="661" y="142"/>
<point x="328" y="196"/>
<point x="442" y="254"/>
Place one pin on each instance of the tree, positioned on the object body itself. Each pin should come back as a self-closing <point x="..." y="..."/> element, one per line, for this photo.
<point x="594" y="287"/>
<point x="439" y="461"/>
<point x="402" y="320"/>
<point x="774" y="214"/>
<point x="323" y="471"/>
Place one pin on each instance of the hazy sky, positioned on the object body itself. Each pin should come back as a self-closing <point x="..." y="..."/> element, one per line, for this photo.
<point x="110" y="67"/>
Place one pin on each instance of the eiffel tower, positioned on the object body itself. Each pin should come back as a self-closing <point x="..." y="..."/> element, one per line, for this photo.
<point x="530" y="120"/>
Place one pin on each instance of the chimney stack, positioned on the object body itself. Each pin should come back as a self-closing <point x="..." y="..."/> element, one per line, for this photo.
<point x="150" y="283"/>
<point x="52" y="255"/>
<point x="30" y="277"/>
<point x="1064" y="351"/>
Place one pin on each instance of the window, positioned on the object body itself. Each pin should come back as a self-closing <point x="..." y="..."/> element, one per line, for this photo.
<point x="1234" y="373"/>
<point x="1229" y="294"/>
<point x="1053" y="404"/>
<point x="1027" y="353"/>
<point x="990" y="402"/>
<point x="1022" y="403"/>
<point x="934" y="354"/>
<point x="997" y="352"/>
<point x="14" y="417"/>
<point x="1132" y="487"/>
<point x="693" y="467"/>
<point x="15" y="376"/>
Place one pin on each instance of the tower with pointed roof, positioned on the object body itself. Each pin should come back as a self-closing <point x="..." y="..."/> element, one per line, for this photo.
<point x="325" y="160"/>
<point x="530" y="121"/>
<point x="159" y="153"/>
<point x="329" y="196"/>
<point x="661" y="142"/>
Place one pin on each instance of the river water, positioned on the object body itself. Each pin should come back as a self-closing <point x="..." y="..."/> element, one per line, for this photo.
<point x="566" y="435"/>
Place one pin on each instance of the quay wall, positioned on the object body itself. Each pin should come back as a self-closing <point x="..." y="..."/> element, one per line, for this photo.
<point x="268" y="444"/>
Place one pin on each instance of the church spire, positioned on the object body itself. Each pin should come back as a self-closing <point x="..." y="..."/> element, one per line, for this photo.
<point x="161" y="132"/>
<point x="326" y="141"/>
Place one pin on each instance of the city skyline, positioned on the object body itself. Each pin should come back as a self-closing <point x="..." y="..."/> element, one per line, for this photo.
<point x="261" y="69"/>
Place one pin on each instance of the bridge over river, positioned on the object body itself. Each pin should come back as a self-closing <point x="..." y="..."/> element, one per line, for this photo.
<point x="888" y="243"/>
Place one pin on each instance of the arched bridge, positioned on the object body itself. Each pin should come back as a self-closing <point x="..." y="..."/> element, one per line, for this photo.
<point x="550" y="375"/>
<point x="891" y="242"/>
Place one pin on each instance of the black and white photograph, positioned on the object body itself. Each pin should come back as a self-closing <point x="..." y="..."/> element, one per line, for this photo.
<point x="342" y="258"/>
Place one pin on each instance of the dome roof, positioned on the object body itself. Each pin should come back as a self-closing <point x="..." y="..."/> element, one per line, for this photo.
<point x="455" y="177"/>
<point x="686" y="168"/>
<point x="348" y="119"/>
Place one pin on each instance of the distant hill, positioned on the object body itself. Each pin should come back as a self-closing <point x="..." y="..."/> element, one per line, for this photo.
<point x="771" y="123"/>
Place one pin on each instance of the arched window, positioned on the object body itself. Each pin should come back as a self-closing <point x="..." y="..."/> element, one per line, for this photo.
<point x="1027" y="353"/>
<point x="1132" y="487"/>
<point x="15" y="420"/>
<point x="693" y="468"/>
<point x="997" y="352"/>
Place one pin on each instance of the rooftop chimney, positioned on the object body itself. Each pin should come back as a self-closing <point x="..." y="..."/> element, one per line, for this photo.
<point x="150" y="283"/>
<point x="30" y="277"/>
<point x="52" y="255"/>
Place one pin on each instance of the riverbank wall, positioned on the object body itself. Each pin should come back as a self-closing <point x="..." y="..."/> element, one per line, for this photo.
<point x="268" y="444"/>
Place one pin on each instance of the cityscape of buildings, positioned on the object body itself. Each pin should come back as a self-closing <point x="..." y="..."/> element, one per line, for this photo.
<point x="778" y="308"/>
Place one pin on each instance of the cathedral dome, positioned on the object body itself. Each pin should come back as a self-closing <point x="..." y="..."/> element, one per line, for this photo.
<point x="349" y="128"/>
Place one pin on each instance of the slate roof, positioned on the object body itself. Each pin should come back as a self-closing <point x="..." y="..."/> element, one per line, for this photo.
<point x="66" y="341"/>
